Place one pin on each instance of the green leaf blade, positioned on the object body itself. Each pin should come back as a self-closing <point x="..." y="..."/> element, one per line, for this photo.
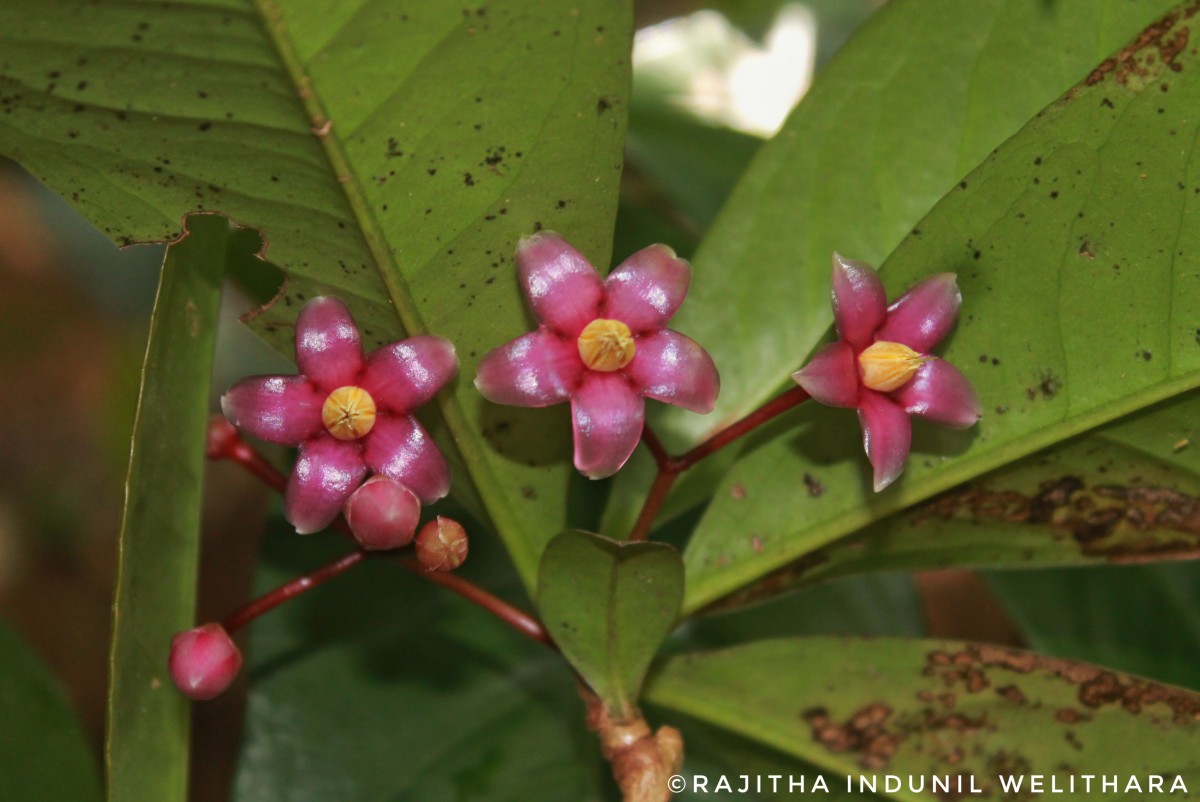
<point x="46" y="756"/>
<point x="1055" y="338"/>
<point x="608" y="605"/>
<point x="393" y="159"/>
<point x="147" y="739"/>
<point x="935" y="708"/>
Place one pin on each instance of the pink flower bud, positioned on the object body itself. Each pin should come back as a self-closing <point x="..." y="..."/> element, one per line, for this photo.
<point x="383" y="514"/>
<point x="442" y="544"/>
<point x="203" y="661"/>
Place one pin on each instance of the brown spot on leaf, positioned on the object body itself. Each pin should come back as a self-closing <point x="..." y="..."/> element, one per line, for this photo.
<point x="1162" y="42"/>
<point x="1116" y="522"/>
<point x="864" y="733"/>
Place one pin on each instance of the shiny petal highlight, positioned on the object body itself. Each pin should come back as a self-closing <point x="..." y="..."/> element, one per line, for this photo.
<point x="607" y="418"/>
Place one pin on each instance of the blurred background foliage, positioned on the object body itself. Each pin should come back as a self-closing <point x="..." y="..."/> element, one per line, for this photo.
<point x="711" y="82"/>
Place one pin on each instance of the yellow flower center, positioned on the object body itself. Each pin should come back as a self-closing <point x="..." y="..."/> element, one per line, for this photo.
<point x="887" y="366"/>
<point x="349" y="412"/>
<point x="606" y="345"/>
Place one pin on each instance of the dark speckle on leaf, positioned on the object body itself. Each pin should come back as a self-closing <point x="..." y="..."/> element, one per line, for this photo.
<point x="468" y="179"/>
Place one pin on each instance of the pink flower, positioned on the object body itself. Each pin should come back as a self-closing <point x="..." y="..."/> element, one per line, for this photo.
<point x="881" y="365"/>
<point x="602" y="345"/>
<point x="347" y="413"/>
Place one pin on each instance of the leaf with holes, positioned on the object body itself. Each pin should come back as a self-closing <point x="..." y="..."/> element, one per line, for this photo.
<point x="391" y="155"/>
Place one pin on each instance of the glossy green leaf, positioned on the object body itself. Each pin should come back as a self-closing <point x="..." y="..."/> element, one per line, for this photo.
<point x="1076" y="249"/>
<point x="917" y="98"/>
<point x="46" y="757"/>
<point x="391" y="155"/>
<point x="609" y="605"/>
<point x="1123" y="494"/>
<point x="147" y="743"/>
<point x="941" y="709"/>
<point x="380" y="685"/>
<point x="1141" y="619"/>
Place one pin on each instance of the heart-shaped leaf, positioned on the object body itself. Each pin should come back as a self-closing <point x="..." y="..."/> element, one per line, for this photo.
<point x="985" y="715"/>
<point x="391" y="155"/>
<point x="147" y="745"/>
<point x="608" y="605"/>
<point x="1076" y="248"/>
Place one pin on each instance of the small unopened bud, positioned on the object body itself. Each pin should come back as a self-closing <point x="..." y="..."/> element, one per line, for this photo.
<point x="203" y="661"/>
<point x="382" y="514"/>
<point x="442" y="544"/>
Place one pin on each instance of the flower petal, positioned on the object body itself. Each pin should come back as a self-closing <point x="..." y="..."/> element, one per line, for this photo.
<point x="401" y="449"/>
<point x="535" y="370"/>
<point x="674" y="369"/>
<point x="921" y="317"/>
<point x="562" y="287"/>
<point x="645" y="290"/>
<point x="404" y="375"/>
<point x="278" y="409"/>
<point x="328" y="349"/>
<point x="327" y="471"/>
<point x="831" y="376"/>
<point x="940" y="393"/>
<point x="859" y="301"/>
<point x="887" y="435"/>
<point x="607" y="416"/>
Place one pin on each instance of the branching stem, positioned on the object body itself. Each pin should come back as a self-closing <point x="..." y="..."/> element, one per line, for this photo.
<point x="225" y="443"/>
<point x="669" y="468"/>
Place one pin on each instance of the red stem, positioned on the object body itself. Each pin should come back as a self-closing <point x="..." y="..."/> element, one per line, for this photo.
<point x="670" y="467"/>
<point x="225" y="443"/>
<point x="290" y="590"/>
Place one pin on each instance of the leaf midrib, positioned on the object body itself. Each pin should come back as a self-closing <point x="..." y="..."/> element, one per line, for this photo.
<point x="271" y="17"/>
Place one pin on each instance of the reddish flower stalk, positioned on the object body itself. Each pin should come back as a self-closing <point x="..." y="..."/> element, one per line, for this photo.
<point x="225" y="443"/>
<point x="290" y="590"/>
<point x="670" y="467"/>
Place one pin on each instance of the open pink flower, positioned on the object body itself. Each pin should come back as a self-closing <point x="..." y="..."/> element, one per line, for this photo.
<point x="347" y="413"/>
<point x="602" y="345"/>
<point x="881" y="365"/>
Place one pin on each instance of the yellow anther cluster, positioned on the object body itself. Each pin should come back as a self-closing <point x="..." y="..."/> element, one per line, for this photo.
<point x="887" y="366"/>
<point x="349" y="412"/>
<point x="606" y="345"/>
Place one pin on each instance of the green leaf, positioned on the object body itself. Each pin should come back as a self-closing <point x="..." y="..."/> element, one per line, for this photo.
<point x="917" y="97"/>
<point x="1141" y="619"/>
<point x="392" y="156"/>
<point x="940" y="709"/>
<point x="147" y="741"/>
<point x="608" y="605"/>
<point x="46" y="756"/>
<point x="1125" y="493"/>
<point x="1076" y="250"/>
<point x="446" y="703"/>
